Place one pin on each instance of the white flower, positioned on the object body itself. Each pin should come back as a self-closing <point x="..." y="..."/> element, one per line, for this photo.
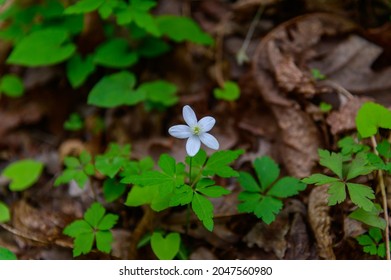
<point x="195" y="131"/>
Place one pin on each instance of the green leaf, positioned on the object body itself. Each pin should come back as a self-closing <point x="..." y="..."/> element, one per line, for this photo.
<point x="361" y="195"/>
<point x="165" y="248"/>
<point x="370" y="218"/>
<point x="167" y="164"/>
<point x="332" y="161"/>
<point x="337" y="193"/>
<point x="23" y="174"/>
<point x="267" y="171"/>
<point x="384" y="149"/>
<point x="5" y="215"/>
<point x="115" y="90"/>
<point x="371" y="117"/>
<point x="250" y="201"/>
<point x="319" y="179"/>
<point x="203" y="208"/>
<point x="11" y="85"/>
<point x="376" y="234"/>
<point x="218" y="163"/>
<point x="248" y="182"/>
<point x="94" y="214"/>
<point x="41" y="48"/>
<point x="112" y="189"/>
<point x="104" y="240"/>
<point x="325" y="107"/>
<point x="115" y="53"/>
<point x="108" y="222"/>
<point x="74" y="122"/>
<point x="317" y="75"/>
<point x="182" y="195"/>
<point x="359" y="166"/>
<point x="229" y="92"/>
<point x="151" y="47"/>
<point x="83" y="243"/>
<point x="72" y="162"/>
<point x="181" y="29"/>
<point x="350" y="146"/>
<point x="267" y="209"/>
<point x="159" y="92"/>
<point x="286" y="187"/>
<point x="214" y="191"/>
<point x="113" y="160"/>
<point x="76" y="228"/>
<point x="84" y="6"/>
<point x="376" y="161"/>
<point x="141" y="195"/>
<point x="79" y="69"/>
<point x="6" y="254"/>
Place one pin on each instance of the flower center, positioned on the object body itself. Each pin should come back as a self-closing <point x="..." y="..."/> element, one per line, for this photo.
<point x="196" y="130"/>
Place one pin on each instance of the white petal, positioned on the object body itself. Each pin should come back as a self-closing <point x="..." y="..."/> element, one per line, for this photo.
<point x="209" y="140"/>
<point x="180" y="131"/>
<point x="206" y="123"/>
<point x="189" y="116"/>
<point x="193" y="145"/>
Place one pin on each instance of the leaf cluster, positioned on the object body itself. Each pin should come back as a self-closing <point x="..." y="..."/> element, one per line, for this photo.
<point x="372" y="242"/>
<point x="94" y="227"/>
<point x="168" y="186"/>
<point x="263" y="196"/>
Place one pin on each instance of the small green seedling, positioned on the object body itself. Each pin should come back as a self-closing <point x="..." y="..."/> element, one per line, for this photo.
<point x="77" y="169"/>
<point x="74" y="123"/>
<point x="5" y="215"/>
<point x="229" y="92"/>
<point x="6" y="254"/>
<point x="325" y="107"/>
<point x="264" y="198"/>
<point x="11" y="86"/>
<point x="23" y="174"/>
<point x="372" y="242"/>
<point x="317" y="75"/>
<point x="96" y="227"/>
<point x="111" y="162"/>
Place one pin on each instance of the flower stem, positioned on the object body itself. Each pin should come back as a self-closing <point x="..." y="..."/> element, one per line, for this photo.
<point x="188" y="205"/>
<point x="384" y="196"/>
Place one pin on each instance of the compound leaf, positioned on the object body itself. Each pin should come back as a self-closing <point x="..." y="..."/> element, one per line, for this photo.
<point x="203" y="208"/>
<point x="218" y="164"/>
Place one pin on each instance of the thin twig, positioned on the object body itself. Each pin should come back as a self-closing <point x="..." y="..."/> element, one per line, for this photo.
<point x="384" y="196"/>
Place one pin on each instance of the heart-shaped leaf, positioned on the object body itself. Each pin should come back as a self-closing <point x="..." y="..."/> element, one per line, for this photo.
<point x="165" y="248"/>
<point x="371" y="117"/>
<point x="230" y="91"/>
<point x="23" y="174"/>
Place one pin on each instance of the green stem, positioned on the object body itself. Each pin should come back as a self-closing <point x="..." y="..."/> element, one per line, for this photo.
<point x="188" y="205"/>
<point x="384" y="196"/>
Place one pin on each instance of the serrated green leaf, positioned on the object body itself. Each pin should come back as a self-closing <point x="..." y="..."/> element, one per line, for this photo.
<point x="94" y="214"/>
<point x="349" y="146"/>
<point x="376" y="161"/>
<point x="370" y="218"/>
<point x="65" y="177"/>
<point x="182" y="195"/>
<point x="5" y="215"/>
<point x="203" y="208"/>
<point x="115" y="53"/>
<point x="337" y="193"/>
<point x="108" y="221"/>
<point x="370" y="117"/>
<point x="250" y="201"/>
<point x="319" y="179"/>
<point x="77" y="227"/>
<point x="165" y="248"/>
<point x="332" y="161"/>
<point x="115" y="158"/>
<point x="80" y="178"/>
<point x="41" y="48"/>
<point x="79" y="69"/>
<point x="6" y="254"/>
<point x="376" y="234"/>
<point x="381" y="250"/>
<point x="384" y="149"/>
<point x="83" y="243"/>
<point x="160" y="92"/>
<point x="247" y="181"/>
<point x="115" y="90"/>
<point x="214" y="191"/>
<point x="218" y="164"/>
<point x="361" y="195"/>
<point x="11" y="85"/>
<point x="181" y="29"/>
<point x="267" y="171"/>
<point x="112" y="189"/>
<point x="358" y="166"/>
<point x="267" y="209"/>
<point x="104" y="240"/>
<point x="23" y="174"/>
<point x="167" y="164"/>
<point x="229" y="92"/>
<point x="365" y="240"/>
<point x="286" y="187"/>
<point x="84" y="6"/>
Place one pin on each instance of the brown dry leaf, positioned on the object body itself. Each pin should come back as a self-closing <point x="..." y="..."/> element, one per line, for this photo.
<point x="202" y="253"/>
<point x="278" y="70"/>
<point x="320" y="221"/>
<point x="298" y="240"/>
<point x="344" y="119"/>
